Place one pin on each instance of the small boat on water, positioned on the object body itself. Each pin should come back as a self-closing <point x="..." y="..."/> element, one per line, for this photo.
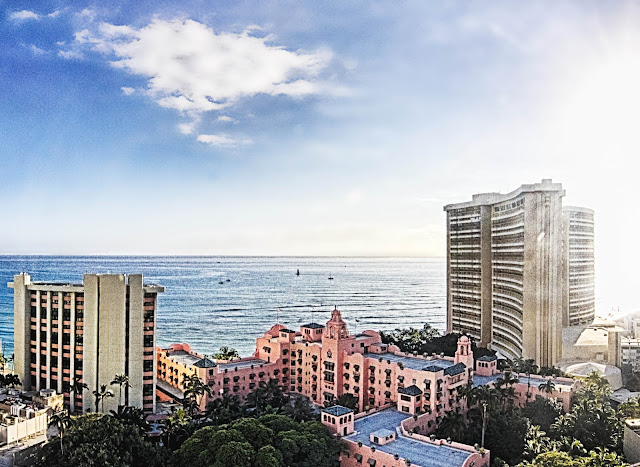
<point x="297" y="272"/>
<point x="330" y="277"/>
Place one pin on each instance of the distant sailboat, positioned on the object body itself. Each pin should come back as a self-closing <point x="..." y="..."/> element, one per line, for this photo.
<point x="297" y="272"/>
<point x="330" y="277"/>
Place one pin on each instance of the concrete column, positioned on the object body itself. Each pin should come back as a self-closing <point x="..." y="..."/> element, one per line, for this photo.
<point x="22" y="329"/>
<point x="90" y="361"/>
<point x="136" y="339"/>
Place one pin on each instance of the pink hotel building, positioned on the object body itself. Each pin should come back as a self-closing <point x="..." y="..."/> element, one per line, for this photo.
<point x="324" y="362"/>
<point x="401" y="397"/>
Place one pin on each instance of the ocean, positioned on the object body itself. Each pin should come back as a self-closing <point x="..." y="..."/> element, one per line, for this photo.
<point x="211" y="301"/>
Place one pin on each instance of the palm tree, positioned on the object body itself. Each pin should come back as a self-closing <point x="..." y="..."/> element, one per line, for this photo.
<point x="101" y="395"/>
<point x="548" y="386"/>
<point x="121" y="380"/>
<point x="504" y="384"/>
<point x="452" y="426"/>
<point x="194" y="388"/>
<point x="487" y="399"/>
<point x="133" y="416"/>
<point x="224" y="409"/>
<point x="61" y="421"/>
<point x="176" y="428"/>
<point x="226" y="353"/>
<point x="528" y="366"/>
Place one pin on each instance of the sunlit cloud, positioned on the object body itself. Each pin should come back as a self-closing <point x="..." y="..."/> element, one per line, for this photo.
<point x="193" y="69"/>
<point x="127" y="90"/>
<point x="222" y="140"/>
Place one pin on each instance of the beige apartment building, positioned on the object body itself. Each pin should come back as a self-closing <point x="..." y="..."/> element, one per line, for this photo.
<point x="89" y="332"/>
<point x="580" y="300"/>
<point x="508" y="272"/>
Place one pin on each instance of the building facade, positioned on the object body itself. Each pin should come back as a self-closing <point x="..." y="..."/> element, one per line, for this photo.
<point x="324" y="362"/>
<point x="507" y="271"/>
<point x="89" y="332"/>
<point x="580" y="299"/>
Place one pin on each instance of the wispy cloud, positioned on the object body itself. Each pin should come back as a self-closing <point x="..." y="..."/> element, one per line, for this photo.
<point x="70" y="54"/>
<point x="193" y="69"/>
<point x="222" y="140"/>
<point x="23" y="15"/>
<point x="27" y="15"/>
<point x="127" y="90"/>
<point x="37" y="50"/>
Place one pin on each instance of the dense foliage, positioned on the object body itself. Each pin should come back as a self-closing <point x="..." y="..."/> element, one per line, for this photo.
<point x="100" y="440"/>
<point x="428" y="341"/>
<point x="539" y="434"/>
<point x="268" y="441"/>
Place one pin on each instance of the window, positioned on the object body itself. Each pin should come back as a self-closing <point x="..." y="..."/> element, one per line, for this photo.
<point x="148" y="341"/>
<point x="148" y="365"/>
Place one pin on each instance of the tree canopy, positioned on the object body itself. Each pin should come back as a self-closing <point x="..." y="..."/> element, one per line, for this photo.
<point x="267" y="441"/>
<point x="100" y="440"/>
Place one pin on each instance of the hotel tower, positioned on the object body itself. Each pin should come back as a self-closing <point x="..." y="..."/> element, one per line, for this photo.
<point x="580" y="303"/>
<point x="87" y="332"/>
<point x="513" y="262"/>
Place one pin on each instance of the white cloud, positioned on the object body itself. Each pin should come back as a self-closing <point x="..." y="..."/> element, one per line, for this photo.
<point x="222" y="140"/>
<point x="193" y="69"/>
<point x="37" y="50"/>
<point x="23" y="15"/>
<point x="226" y="118"/>
<point x="70" y="54"/>
<point x="127" y="90"/>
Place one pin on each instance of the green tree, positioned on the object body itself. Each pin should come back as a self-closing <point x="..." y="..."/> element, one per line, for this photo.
<point x="100" y="441"/>
<point x="132" y="416"/>
<point x="300" y="410"/>
<point x="548" y="387"/>
<point x="224" y="409"/>
<point x="347" y="400"/>
<point x="452" y="426"/>
<point x="121" y="380"/>
<point x="542" y="412"/>
<point x="268" y="441"/>
<point x="194" y="389"/>
<point x="267" y="397"/>
<point x="62" y="422"/>
<point x="102" y="394"/>
<point x="226" y="353"/>
<point x="176" y="429"/>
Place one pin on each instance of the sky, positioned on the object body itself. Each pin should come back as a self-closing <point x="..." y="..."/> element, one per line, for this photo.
<point x="312" y="128"/>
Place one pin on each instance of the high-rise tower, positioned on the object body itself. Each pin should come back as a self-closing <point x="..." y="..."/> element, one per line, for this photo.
<point x="580" y="303"/>
<point x="89" y="333"/>
<point x="508" y="273"/>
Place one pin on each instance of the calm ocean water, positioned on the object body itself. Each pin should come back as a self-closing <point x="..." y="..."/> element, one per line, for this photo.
<point x="382" y="293"/>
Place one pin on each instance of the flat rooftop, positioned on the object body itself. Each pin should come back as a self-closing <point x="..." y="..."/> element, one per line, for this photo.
<point x="421" y="453"/>
<point x="411" y="362"/>
<point x="241" y="364"/>
<point x="533" y="380"/>
<point x="183" y="357"/>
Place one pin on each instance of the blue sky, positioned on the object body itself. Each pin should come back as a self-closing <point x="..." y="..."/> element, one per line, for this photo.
<point x="304" y="128"/>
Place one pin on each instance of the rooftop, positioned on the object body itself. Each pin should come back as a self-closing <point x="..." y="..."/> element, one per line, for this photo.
<point x="533" y="380"/>
<point x="414" y="363"/>
<point x="488" y="358"/>
<point x="337" y="410"/>
<point x="241" y="364"/>
<point x="412" y="390"/>
<point x="313" y="326"/>
<point x="455" y="369"/>
<point x="421" y="453"/>
<point x="383" y="433"/>
<point x="183" y="357"/>
<point x="205" y="363"/>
